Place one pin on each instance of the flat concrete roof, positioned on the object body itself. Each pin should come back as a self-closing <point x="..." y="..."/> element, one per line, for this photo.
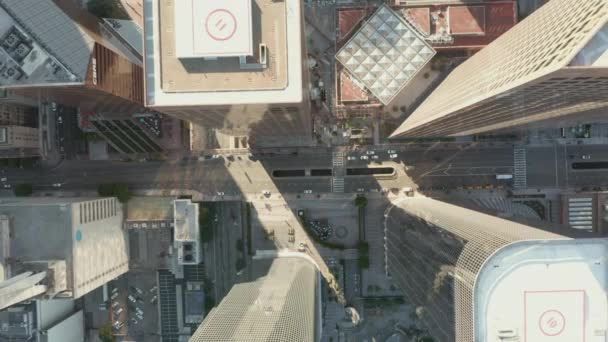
<point x="171" y="81"/>
<point x="213" y="28"/>
<point x="553" y="291"/>
<point x="48" y="229"/>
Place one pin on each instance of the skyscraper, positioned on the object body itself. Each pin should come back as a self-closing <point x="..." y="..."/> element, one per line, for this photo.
<point x="55" y="51"/>
<point x="59" y="247"/>
<point x="237" y="67"/>
<point x="476" y="277"/>
<point x="278" y="304"/>
<point x="549" y="67"/>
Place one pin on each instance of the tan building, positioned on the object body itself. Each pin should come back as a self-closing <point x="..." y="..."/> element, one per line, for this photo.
<point x="477" y="277"/>
<point x="18" y="137"/>
<point x="237" y="67"/>
<point x="53" y="50"/>
<point x="549" y="66"/>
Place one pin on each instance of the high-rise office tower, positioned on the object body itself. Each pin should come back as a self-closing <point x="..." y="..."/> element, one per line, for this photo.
<point x="234" y="66"/>
<point x="59" y="247"/>
<point x="55" y="51"/>
<point x="546" y="70"/>
<point x="477" y="277"/>
<point x="280" y="303"/>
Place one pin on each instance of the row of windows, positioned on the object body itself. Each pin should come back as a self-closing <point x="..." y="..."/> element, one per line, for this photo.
<point x="102" y="275"/>
<point x="97" y="210"/>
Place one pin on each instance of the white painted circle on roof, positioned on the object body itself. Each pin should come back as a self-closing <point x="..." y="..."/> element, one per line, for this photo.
<point x="221" y="24"/>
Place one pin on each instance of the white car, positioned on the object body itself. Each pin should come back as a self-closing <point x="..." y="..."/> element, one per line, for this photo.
<point x="115" y="305"/>
<point x="7" y="186"/>
<point x="360" y="190"/>
<point x="308" y="191"/>
<point x="364" y="157"/>
<point x="216" y="156"/>
<point x="393" y="155"/>
<point x="139" y="311"/>
<point x="140" y="316"/>
<point x="56" y="185"/>
<point x="375" y="157"/>
<point x="370" y="152"/>
<point x="118" y="312"/>
<point x="351" y="158"/>
<point x="391" y="151"/>
<point x="132" y="299"/>
<point x="586" y="156"/>
<point x="220" y="193"/>
<point x="302" y="246"/>
<point x="114" y="295"/>
<point x="3" y="179"/>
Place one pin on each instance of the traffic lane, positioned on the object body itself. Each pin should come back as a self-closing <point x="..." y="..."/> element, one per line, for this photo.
<point x="542" y="167"/>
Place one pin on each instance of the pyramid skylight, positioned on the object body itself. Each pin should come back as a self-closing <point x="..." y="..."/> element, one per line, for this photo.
<point x="385" y="54"/>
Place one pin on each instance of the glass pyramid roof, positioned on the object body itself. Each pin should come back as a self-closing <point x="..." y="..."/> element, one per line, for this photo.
<point x="385" y="54"/>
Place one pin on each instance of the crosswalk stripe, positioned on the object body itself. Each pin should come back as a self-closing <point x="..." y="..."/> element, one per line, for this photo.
<point x="519" y="168"/>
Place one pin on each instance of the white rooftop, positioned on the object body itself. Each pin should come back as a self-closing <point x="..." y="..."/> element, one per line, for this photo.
<point x="385" y="54"/>
<point x="213" y="28"/>
<point x="544" y="291"/>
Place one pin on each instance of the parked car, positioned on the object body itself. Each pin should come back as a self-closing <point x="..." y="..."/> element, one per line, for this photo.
<point x="132" y="299"/>
<point x="391" y="151"/>
<point x="118" y="311"/>
<point x="115" y="305"/>
<point x="364" y="157"/>
<point x="393" y="155"/>
<point x="302" y="246"/>
<point x="370" y="153"/>
<point x="308" y="191"/>
<point x="375" y="157"/>
<point x="586" y="156"/>
<point x="114" y="295"/>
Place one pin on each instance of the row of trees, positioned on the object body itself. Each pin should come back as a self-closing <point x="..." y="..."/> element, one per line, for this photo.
<point x="118" y="190"/>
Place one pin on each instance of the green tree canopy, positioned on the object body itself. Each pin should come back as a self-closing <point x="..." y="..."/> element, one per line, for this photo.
<point x="361" y="201"/>
<point x="23" y="190"/>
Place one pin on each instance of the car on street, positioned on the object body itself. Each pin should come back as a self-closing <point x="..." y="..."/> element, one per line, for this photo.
<point x="56" y="185"/>
<point x="586" y="156"/>
<point x="216" y="156"/>
<point x="3" y="179"/>
<point x="351" y="158"/>
<point x="370" y="153"/>
<point x="364" y="157"/>
<point x="391" y="151"/>
<point x="393" y="155"/>
<point x="220" y="193"/>
<point x="308" y="191"/>
<point x="360" y="190"/>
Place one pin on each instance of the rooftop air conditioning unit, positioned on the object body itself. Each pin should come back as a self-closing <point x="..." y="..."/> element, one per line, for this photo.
<point x="263" y="54"/>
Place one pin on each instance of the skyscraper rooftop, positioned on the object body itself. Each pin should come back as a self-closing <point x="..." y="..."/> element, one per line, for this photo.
<point x="223" y="53"/>
<point x="278" y="305"/>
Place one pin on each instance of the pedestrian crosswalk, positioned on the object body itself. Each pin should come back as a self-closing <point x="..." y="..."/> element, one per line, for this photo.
<point x="337" y="184"/>
<point x="338" y="158"/>
<point x="519" y="168"/>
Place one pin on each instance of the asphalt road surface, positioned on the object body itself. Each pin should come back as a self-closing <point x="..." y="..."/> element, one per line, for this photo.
<point x="449" y="166"/>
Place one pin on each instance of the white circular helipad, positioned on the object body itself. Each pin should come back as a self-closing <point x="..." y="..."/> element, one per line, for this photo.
<point x="221" y="24"/>
<point x="552" y="322"/>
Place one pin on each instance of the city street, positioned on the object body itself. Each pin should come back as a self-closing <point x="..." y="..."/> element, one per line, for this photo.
<point x="547" y="166"/>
